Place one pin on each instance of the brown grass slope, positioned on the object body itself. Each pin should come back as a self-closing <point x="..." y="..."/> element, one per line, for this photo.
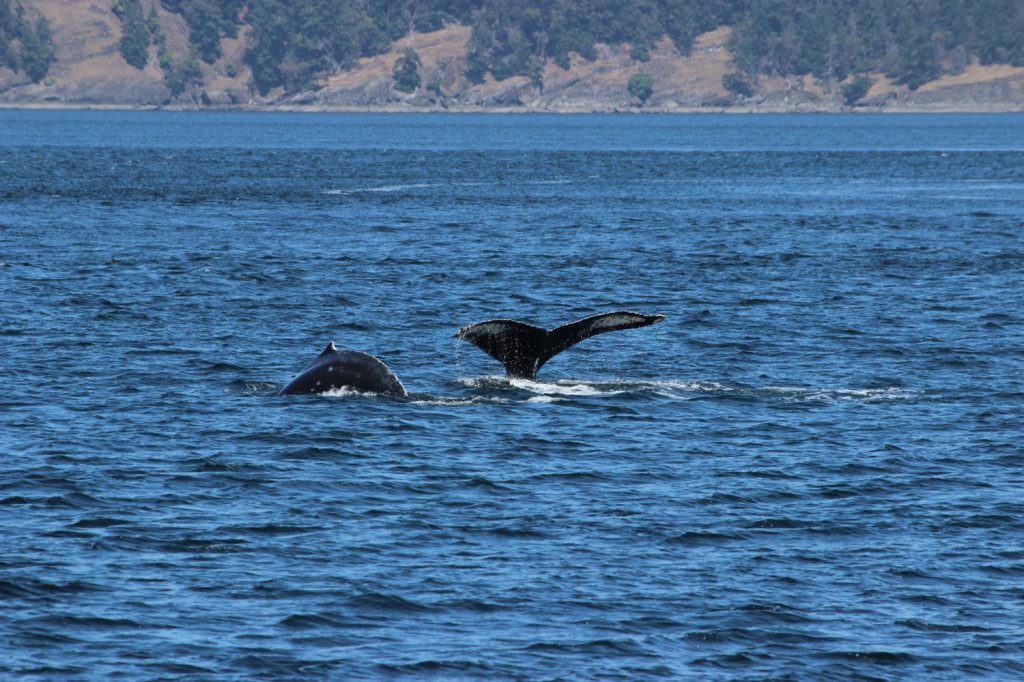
<point x="90" y="72"/>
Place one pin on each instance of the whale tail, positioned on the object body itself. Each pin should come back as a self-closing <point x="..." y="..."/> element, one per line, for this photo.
<point x="523" y="348"/>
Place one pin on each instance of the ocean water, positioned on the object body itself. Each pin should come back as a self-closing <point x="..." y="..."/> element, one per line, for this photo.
<point x="811" y="470"/>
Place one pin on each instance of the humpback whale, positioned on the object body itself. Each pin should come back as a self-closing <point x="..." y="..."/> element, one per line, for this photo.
<point x="524" y="348"/>
<point x="334" y="369"/>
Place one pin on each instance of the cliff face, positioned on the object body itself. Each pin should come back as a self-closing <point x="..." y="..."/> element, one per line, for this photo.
<point x="90" y="71"/>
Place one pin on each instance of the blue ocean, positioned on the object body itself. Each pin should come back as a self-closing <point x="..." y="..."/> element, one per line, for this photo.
<point x="812" y="469"/>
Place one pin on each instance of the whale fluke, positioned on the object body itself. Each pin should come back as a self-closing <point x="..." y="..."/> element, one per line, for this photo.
<point x="335" y="369"/>
<point x="524" y="348"/>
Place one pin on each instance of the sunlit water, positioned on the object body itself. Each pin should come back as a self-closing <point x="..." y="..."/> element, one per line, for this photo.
<point x="811" y="470"/>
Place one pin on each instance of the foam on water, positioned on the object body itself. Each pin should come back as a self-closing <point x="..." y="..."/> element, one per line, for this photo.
<point x="393" y="188"/>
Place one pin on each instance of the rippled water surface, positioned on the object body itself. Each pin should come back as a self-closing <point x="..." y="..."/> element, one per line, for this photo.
<point x="811" y="470"/>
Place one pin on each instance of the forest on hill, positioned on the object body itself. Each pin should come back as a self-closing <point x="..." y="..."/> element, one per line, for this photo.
<point x="24" y="45"/>
<point x="292" y="43"/>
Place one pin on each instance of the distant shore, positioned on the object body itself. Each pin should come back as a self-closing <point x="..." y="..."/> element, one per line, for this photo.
<point x="398" y="109"/>
<point x="94" y="76"/>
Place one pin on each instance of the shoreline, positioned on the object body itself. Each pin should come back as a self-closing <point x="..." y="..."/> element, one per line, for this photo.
<point x="410" y="109"/>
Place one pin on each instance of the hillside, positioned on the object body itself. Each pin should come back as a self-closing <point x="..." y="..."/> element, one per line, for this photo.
<point x="90" y="71"/>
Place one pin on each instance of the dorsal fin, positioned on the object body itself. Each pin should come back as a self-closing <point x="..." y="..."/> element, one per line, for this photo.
<point x="330" y="351"/>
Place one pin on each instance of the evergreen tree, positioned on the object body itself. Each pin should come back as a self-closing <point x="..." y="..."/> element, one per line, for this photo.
<point x="135" y="36"/>
<point x="37" y="51"/>
<point x="10" y="26"/>
<point x="640" y="86"/>
<point x="179" y="76"/>
<point x="1000" y="31"/>
<point x="8" y="31"/>
<point x="855" y="90"/>
<point x="204" y="33"/>
<point x="405" y="73"/>
<point x="738" y="84"/>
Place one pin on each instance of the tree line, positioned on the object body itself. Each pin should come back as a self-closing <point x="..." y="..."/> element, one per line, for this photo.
<point x="293" y="43"/>
<point x="913" y="41"/>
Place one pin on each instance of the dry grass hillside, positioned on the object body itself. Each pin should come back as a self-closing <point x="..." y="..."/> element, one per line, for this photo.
<point x="90" y="71"/>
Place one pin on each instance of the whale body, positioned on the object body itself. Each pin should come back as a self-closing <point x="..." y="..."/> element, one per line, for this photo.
<point x="523" y="348"/>
<point x="336" y="369"/>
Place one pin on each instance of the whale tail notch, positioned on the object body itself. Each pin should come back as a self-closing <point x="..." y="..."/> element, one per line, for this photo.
<point x="523" y="348"/>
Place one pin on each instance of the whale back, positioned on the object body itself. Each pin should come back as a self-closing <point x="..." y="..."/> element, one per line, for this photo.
<point x="335" y="369"/>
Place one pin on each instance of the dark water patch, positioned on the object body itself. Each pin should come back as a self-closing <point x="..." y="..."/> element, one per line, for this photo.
<point x="569" y="476"/>
<point x="443" y="670"/>
<point x="253" y="387"/>
<point x="483" y="484"/>
<point x="603" y="647"/>
<point x="214" y="366"/>
<point x="1009" y="570"/>
<point x="68" y="672"/>
<point x="716" y="636"/>
<point x="473" y="605"/>
<point x="916" y="575"/>
<point x="727" y="661"/>
<point x="274" y="530"/>
<point x="1008" y="665"/>
<point x="699" y="539"/>
<point x="33" y="588"/>
<point x="879" y="658"/>
<point x="1000" y="521"/>
<point x="178" y="669"/>
<point x="102" y="624"/>
<point x="384" y="604"/>
<point x="509" y="532"/>
<point x="195" y="546"/>
<point x="1001" y="318"/>
<point x="218" y="465"/>
<point x="768" y="612"/>
<point x="272" y="665"/>
<point x="925" y="626"/>
<point x="928" y="600"/>
<point x="100" y="523"/>
<point x="325" y="454"/>
<point x="653" y="623"/>
<point x="779" y="524"/>
<point x="770" y="495"/>
<point x="316" y="621"/>
<point x="769" y="473"/>
<point x="73" y="501"/>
